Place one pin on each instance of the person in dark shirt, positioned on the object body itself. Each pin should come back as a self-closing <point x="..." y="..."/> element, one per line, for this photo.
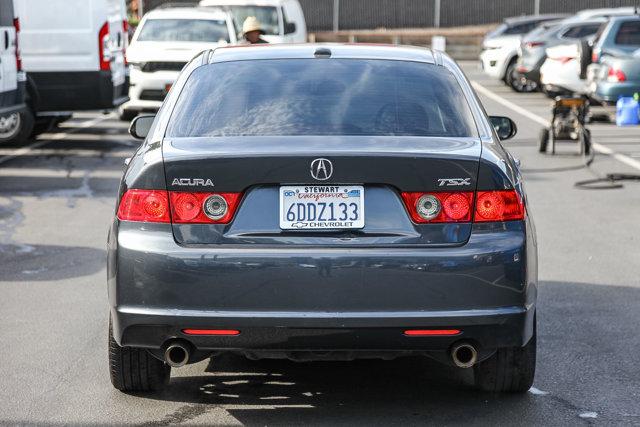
<point x="252" y="31"/>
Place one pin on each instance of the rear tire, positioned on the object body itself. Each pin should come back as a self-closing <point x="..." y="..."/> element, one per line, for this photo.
<point x="513" y="79"/>
<point x="19" y="127"/>
<point x="544" y="140"/>
<point x="510" y="370"/>
<point x="134" y="369"/>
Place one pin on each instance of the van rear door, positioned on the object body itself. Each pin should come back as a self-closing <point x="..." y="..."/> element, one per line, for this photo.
<point x="119" y="40"/>
<point x="8" y="70"/>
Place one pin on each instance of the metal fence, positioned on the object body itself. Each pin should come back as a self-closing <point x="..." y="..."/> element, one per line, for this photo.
<point x="327" y="15"/>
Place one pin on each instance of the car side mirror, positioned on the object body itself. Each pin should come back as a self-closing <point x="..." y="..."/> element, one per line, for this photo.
<point x="504" y="126"/>
<point x="141" y="125"/>
<point x="290" y="27"/>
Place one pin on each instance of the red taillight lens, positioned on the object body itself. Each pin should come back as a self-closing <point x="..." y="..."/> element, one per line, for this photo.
<point x="103" y="47"/>
<point x="185" y="208"/>
<point x="427" y="208"/>
<point x="145" y="206"/>
<point x="616" y="75"/>
<point x="203" y="208"/>
<point x="439" y="207"/>
<point x="125" y="40"/>
<point x="457" y="206"/>
<point x="534" y="44"/>
<point x="594" y="57"/>
<point x="16" y="25"/>
<point x="503" y="205"/>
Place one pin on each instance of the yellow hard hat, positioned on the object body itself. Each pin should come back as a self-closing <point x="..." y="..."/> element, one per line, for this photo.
<point x="251" y="24"/>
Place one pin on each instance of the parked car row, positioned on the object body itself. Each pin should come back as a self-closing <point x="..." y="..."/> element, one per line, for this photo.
<point x="593" y="53"/>
<point x="54" y="63"/>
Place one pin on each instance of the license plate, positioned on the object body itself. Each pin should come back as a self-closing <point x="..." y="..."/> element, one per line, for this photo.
<point x="312" y="207"/>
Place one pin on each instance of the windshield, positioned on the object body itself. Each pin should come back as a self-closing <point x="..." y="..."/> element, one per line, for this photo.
<point x="321" y="97"/>
<point x="184" y="30"/>
<point x="267" y="15"/>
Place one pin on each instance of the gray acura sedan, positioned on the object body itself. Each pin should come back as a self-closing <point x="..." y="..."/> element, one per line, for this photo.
<point x="322" y="202"/>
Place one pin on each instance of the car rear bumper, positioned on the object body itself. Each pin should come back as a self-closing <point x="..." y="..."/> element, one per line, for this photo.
<point x="495" y="61"/>
<point x="611" y="92"/>
<point x="263" y="334"/>
<point x="322" y="299"/>
<point x="73" y="91"/>
<point x="148" y="90"/>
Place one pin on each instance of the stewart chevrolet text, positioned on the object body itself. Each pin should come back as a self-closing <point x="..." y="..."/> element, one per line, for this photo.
<point x="322" y="202"/>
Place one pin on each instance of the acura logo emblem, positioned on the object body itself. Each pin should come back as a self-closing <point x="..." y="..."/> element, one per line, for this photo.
<point x="321" y="169"/>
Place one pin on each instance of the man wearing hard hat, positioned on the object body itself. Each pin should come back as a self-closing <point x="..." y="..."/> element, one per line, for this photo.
<point x="252" y="30"/>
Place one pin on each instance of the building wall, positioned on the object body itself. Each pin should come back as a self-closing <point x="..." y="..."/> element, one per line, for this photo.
<point x="369" y="14"/>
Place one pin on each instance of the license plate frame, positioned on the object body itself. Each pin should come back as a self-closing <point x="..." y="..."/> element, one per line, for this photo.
<point x="328" y="210"/>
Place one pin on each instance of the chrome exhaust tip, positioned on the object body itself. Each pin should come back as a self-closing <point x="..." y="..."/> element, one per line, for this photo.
<point x="464" y="355"/>
<point x="176" y="355"/>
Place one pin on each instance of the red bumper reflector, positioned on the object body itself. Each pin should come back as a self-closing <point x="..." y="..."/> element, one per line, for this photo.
<point x="431" y="332"/>
<point x="229" y="332"/>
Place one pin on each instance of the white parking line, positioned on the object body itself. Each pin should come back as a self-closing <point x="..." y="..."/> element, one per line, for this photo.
<point x="55" y="137"/>
<point x="542" y="121"/>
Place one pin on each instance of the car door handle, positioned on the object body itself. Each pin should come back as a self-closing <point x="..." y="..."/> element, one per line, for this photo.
<point x="6" y="39"/>
<point x="127" y="161"/>
<point x="517" y="161"/>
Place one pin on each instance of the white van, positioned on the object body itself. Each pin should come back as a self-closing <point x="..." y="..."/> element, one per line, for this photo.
<point x="16" y="120"/>
<point x="74" y="53"/>
<point x="282" y="20"/>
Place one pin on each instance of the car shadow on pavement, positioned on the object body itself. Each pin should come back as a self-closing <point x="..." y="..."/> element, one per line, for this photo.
<point x="574" y="374"/>
<point x="30" y="262"/>
<point x="407" y="390"/>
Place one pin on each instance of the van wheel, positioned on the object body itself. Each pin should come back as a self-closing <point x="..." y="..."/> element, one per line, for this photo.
<point x="510" y="369"/>
<point x="134" y="369"/>
<point x="544" y="140"/>
<point x="16" y="127"/>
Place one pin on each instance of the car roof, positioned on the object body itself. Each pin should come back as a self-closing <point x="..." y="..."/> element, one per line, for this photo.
<point x="241" y="3"/>
<point x="186" y="13"/>
<point x="611" y="11"/>
<point x="321" y="50"/>
<point x="624" y="18"/>
<point x="533" y="18"/>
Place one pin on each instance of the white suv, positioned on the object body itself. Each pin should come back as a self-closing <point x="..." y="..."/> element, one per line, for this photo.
<point x="164" y="42"/>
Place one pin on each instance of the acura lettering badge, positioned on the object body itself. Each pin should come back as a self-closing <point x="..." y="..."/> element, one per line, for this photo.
<point x="321" y="169"/>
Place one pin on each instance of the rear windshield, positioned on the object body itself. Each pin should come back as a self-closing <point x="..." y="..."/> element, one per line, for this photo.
<point x="321" y="97"/>
<point x="629" y="34"/>
<point x="184" y="30"/>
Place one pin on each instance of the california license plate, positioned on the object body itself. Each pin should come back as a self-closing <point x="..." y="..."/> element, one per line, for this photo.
<point x="311" y="207"/>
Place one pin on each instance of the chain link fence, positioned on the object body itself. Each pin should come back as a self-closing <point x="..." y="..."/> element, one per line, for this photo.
<point x="328" y="15"/>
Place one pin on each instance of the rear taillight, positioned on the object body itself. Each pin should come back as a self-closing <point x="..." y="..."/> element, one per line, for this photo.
<point x="563" y="59"/>
<point x="178" y="207"/>
<point x="494" y="206"/>
<point x="439" y="207"/>
<point x="490" y="206"/>
<point x="144" y="206"/>
<point x="16" y="25"/>
<point x="103" y="47"/>
<point x="125" y="40"/>
<point x="203" y="208"/>
<point x="616" y="76"/>
<point x="534" y="44"/>
<point x="594" y="57"/>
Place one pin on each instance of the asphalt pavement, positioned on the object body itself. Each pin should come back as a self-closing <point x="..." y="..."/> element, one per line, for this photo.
<point x="57" y="197"/>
